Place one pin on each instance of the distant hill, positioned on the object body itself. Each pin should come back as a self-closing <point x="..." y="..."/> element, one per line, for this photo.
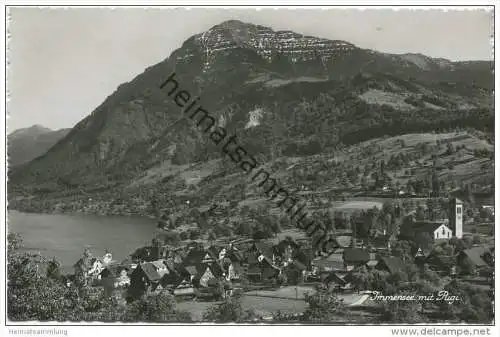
<point x="26" y="144"/>
<point x="282" y="93"/>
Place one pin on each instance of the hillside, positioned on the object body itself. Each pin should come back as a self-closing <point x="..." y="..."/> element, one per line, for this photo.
<point x="324" y="182"/>
<point x="26" y="144"/>
<point x="283" y="94"/>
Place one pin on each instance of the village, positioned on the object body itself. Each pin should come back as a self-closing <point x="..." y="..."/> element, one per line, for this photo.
<point x="197" y="271"/>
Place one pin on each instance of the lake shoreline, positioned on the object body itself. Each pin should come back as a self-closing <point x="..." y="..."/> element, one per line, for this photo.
<point x="65" y="236"/>
<point x="98" y="207"/>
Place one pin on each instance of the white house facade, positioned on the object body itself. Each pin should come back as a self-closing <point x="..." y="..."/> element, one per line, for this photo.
<point x="442" y="232"/>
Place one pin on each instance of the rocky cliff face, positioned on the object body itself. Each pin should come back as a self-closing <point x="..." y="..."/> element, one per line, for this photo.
<point x="306" y="90"/>
<point x="266" y="43"/>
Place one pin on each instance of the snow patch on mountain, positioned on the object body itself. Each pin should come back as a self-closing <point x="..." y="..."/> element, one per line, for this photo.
<point x="254" y="118"/>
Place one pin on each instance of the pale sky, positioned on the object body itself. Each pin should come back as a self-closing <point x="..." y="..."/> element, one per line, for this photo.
<point x="63" y="63"/>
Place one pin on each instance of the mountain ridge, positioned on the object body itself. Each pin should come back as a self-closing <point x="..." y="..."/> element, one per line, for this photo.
<point x="26" y="144"/>
<point x="132" y="130"/>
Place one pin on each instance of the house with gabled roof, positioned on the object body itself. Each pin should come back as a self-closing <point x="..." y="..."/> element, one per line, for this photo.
<point x="147" y="276"/>
<point x="333" y="262"/>
<point x="184" y="288"/>
<point x="199" y="273"/>
<point x="262" y="269"/>
<point x="234" y="271"/>
<point x="262" y="248"/>
<point x="441" y="263"/>
<point x="355" y="257"/>
<point x="114" y="276"/>
<point x="295" y="271"/>
<point x="337" y="280"/>
<point x="195" y="256"/>
<point x="382" y="242"/>
<point x="437" y="230"/>
<point x="475" y="256"/>
<point x="235" y="255"/>
<point x="390" y="264"/>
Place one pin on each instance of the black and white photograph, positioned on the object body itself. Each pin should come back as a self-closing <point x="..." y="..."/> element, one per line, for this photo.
<point x="251" y="166"/>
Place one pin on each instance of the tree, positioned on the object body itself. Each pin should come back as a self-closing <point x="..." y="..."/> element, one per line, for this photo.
<point x="14" y="241"/>
<point x="244" y="228"/>
<point x="362" y="278"/>
<point x="54" y="269"/>
<point x="403" y="250"/>
<point x="423" y="240"/>
<point x="420" y="213"/>
<point x="323" y="306"/>
<point x="433" y="206"/>
<point x="230" y="310"/>
<point x="450" y="149"/>
<point x="402" y="312"/>
<point x="211" y="236"/>
<point x="169" y="238"/>
<point x="31" y="296"/>
<point x="155" y="308"/>
<point x="467" y="267"/>
<point x="435" y="183"/>
<point x="82" y="267"/>
<point x="364" y="222"/>
<point x="194" y="234"/>
<point x="474" y="305"/>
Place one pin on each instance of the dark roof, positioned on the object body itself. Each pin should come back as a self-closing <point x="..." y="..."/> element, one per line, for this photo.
<point x="171" y="279"/>
<point x="113" y="270"/>
<point x="252" y="259"/>
<point x="334" y="277"/>
<point x="213" y="251"/>
<point x="193" y="257"/>
<point x="381" y="240"/>
<point x="234" y="255"/>
<point x="303" y="257"/>
<point x="356" y="255"/>
<point x="299" y="265"/>
<point x="266" y="260"/>
<point x="427" y="226"/>
<point x="195" y="270"/>
<point x="253" y="269"/>
<point x="329" y="263"/>
<point x="149" y="269"/>
<point x="474" y="254"/>
<point x="441" y="260"/>
<point x="393" y="264"/>
<point x="216" y="269"/>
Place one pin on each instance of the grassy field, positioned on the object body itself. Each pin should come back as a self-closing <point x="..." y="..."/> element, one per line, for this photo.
<point x="268" y="302"/>
<point x="264" y="306"/>
<point x="354" y="205"/>
<point x="379" y="97"/>
<point x="296" y="293"/>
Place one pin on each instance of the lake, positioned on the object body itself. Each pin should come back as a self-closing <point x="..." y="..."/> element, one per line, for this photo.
<point x="65" y="236"/>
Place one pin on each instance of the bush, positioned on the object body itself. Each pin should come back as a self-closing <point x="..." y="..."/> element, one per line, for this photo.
<point x="230" y="310"/>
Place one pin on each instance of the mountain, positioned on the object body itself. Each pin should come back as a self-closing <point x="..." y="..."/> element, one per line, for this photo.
<point x="281" y="93"/>
<point x="26" y="144"/>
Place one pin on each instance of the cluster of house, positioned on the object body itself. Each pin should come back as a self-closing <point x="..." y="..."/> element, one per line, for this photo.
<point x="337" y="269"/>
<point x="195" y="270"/>
<point x="220" y="269"/>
